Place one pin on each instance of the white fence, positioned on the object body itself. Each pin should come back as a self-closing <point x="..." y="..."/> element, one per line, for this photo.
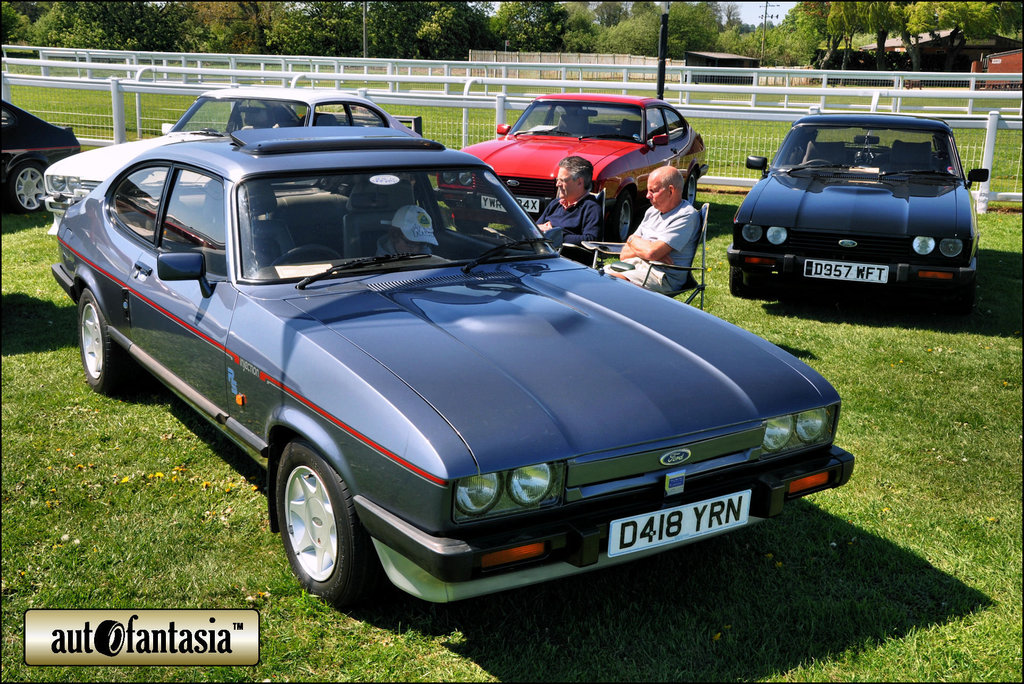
<point x="461" y="103"/>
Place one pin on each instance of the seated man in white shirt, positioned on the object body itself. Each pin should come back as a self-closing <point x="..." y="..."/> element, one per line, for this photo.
<point x="667" y="233"/>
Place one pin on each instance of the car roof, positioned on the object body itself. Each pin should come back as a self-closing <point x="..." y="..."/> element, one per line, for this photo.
<point x="266" y="151"/>
<point x="602" y="98"/>
<point x="309" y="96"/>
<point x="879" y="120"/>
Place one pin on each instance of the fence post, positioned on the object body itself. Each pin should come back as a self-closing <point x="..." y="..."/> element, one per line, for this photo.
<point x="499" y="110"/>
<point x="991" y="129"/>
<point x="5" y="88"/>
<point x="117" y="111"/>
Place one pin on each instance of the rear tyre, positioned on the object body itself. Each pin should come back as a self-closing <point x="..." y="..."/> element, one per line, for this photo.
<point x="105" y="362"/>
<point x="620" y="223"/>
<point x="690" y="190"/>
<point x="328" y="548"/>
<point x="25" y="187"/>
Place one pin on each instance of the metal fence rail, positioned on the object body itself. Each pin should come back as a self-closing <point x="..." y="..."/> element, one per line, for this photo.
<point x="133" y="94"/>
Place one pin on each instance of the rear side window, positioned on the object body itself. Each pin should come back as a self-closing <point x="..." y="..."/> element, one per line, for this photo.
<point x="676" y="124"/>
<point x="194" y="221"/>
<point x="136" y="199"/>
<point x="364" y="116"/>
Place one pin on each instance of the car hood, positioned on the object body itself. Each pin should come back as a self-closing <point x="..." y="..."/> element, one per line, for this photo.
<point x="538" y="156"/>
<point x="892" y="207"/>
<point x="99" y="164"/>
<point x="528" y="369"/>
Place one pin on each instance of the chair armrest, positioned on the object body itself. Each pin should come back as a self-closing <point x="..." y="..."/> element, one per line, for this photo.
<point x="603" y="247"/>
<point x="674" y="267"/>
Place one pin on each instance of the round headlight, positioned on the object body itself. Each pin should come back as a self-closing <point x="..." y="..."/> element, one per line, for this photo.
<point x="810" y="425"/>
<point x="924" y="245"/>
<point x="777" y="433"/>
<point x="777" y="235"/>
<point x="449" y="177"/>
<point x="751" y="233"/>
<point x="951" y="247"/>
<point x="475" y="495"/>
<point x="529" y="485"/>
<point x="466" y="177"/>
<point x="58" y="183"/>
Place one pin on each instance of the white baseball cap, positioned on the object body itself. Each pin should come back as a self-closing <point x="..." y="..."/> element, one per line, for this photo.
<point x="415" y="224"/>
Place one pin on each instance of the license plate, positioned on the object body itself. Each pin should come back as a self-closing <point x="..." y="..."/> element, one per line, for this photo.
<point x="845" y="270"/>
<point x="629" y="535"/>
<point x="491" y="203"/>
<point x="530" y="204"/>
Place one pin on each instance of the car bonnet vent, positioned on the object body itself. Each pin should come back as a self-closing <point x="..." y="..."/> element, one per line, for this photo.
<point x="326" y="139"/>
<point x="438" y="281"/>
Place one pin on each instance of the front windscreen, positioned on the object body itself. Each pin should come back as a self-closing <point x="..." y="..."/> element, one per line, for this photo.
<point x="228" y="115"/>
<point x="300" y="225"/>
<point x="582" y="120"/>
<point x="874" y="149"/>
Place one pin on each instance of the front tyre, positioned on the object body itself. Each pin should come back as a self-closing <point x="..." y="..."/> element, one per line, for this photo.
<point x="621" y="220"/>
<point x="105" y="362"/>
<point x="737" y="288"/>
<point x="329" y="550"/>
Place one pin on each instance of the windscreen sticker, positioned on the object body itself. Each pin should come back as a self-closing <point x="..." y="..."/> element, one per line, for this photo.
<point x="384" y="179"/>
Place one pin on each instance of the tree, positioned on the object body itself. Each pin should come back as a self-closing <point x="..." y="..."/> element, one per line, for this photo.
<point x="449" y="27"/>
<point x="609" y="14"/>
<point x="729" y="15"/>
<point x="966" y="20"/>
<point x="637" y="35"/>
<point x="581" y="29"/>
<point x="238" y="27"/>
<point x="15" y="24"/>
<point x="691" y="26"/>
<point x="881" y="18"/>
<point x="164" y="26"/>
<point x="331" y="29"/>
<point x="810" y="20"/>
<point x="845" y="19"/>
<point x="531" y="26"/>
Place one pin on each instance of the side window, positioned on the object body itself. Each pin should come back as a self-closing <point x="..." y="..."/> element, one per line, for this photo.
<point x="330" y="114"/>
<point x="135" y="201"/>
<point x="655" y="122"/>
<point x="364" y="116"/>
<point x="676" y="124"/>
<point x="194" y="220"/>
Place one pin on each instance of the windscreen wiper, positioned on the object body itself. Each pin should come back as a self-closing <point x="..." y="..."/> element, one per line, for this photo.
<point x="500" y="249"/>
<point x="357" y="263"/>
<point x="916" y="172"/>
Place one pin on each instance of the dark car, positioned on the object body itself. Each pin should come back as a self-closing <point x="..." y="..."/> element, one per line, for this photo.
<point x="29" y="146"/>
<point x="864" y="200"/>
<point x="377" y="322"/>
<point x="625" y="137"/>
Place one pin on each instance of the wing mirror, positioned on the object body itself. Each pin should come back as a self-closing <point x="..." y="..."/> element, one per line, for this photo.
<point x="659" y="140"/>
<point x="977" y="176"/>
<point x="184" y="266"/>
<point x="758" y="163"/>
<point x="165" y="128"/>
<point x="503" y="129"/>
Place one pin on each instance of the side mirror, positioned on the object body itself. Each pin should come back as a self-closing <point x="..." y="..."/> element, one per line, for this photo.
<point x="977" y="176"/>
<point x="165" y="128"/>
<point x="758" y="163"/>
<point x="503" y="129"/>
<point x="184" y="266"/>
<point x="659" y="140"/>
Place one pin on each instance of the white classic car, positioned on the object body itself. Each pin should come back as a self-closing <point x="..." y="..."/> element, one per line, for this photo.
<point x="216" y="113"/>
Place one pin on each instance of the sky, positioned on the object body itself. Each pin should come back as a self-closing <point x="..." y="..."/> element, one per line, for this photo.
<point x="753" y="12"/>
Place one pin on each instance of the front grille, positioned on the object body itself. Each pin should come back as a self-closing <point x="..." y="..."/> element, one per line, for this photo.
<point x="534" y="187"/>
<point x="869" y="247"/>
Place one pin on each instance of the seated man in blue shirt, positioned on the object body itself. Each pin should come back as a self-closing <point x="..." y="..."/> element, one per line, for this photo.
<point x="574" y="215"/>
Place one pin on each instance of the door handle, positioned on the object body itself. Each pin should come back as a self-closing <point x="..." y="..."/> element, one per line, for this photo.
<point x="142" y="269"/>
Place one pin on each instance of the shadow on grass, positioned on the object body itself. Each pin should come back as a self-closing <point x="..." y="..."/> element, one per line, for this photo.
<point x="997" y="312"/>
<point x="750" y="605"/>
<point x="36" y="325"/>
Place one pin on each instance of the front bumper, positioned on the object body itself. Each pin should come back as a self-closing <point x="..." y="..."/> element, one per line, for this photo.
<point x="790" y="267"/>
<point x="444" y="569"/>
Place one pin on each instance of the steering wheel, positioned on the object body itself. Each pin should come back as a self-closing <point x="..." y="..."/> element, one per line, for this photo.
<point x="305" y="253"/>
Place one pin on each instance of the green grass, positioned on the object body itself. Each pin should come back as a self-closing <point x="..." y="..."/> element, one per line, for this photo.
<point x="911" y="572"/>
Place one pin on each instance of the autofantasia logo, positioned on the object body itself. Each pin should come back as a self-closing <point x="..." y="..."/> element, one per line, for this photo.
<point x="142" y="637"/>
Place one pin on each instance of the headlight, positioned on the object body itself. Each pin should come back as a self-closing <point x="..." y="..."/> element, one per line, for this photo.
<point x="777" y="235"/>
<point x="466" y="177"/>
<point x="57" y="183"/>
<point x="798" y="430"/>
<point x="951" y="247"/>
<point x="508" y="492"/>
<point x="528" y="486"/>
<point x="751" y="233"/>
<point x="477" y="494"/>
<point x="924" y="245"/>
<point x="810" y="425"/>
<point x="777" y="433"/>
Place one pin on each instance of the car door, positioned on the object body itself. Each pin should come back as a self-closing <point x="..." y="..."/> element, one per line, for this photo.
<point x="173" y="321"/>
